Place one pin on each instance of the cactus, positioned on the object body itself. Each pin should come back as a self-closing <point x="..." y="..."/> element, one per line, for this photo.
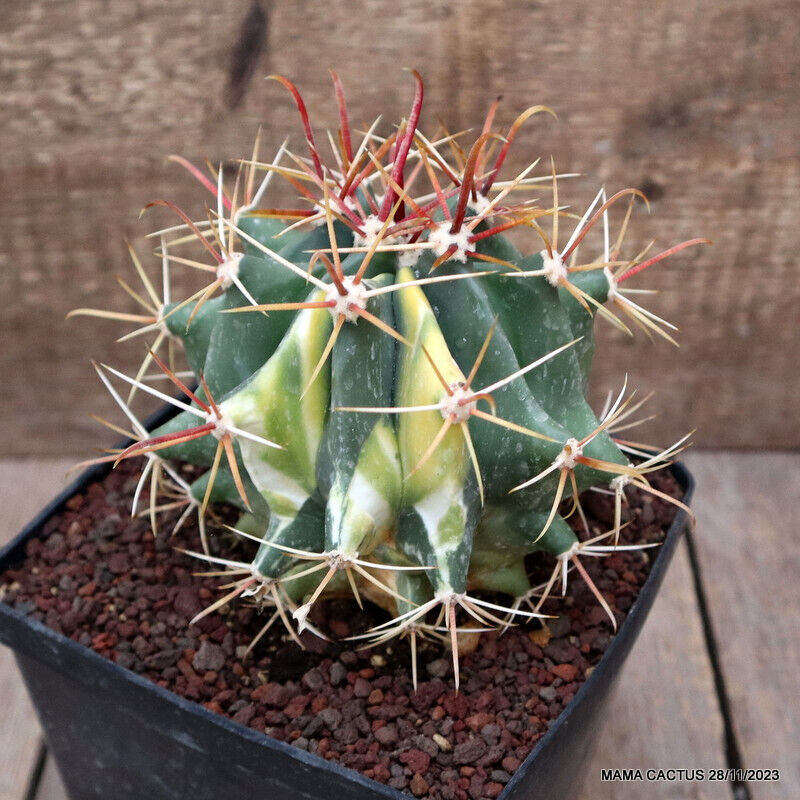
<point x="389" y="391"/>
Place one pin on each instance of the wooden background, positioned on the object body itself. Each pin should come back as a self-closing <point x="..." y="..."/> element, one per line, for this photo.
<point x="695" y="101"/>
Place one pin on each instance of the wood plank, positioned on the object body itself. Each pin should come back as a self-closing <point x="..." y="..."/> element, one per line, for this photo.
<point x="664" y="712"/>
<point x="25" y="487"/>
<point x="747" y="547"/>
<point x="51" y="787"/>
<point x="715" y="149"/>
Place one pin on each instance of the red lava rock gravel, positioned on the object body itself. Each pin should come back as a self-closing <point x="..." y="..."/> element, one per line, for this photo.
<point x="101" y="578"/>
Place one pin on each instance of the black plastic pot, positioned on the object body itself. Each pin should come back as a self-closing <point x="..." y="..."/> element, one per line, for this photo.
<point x="116" y="735"/>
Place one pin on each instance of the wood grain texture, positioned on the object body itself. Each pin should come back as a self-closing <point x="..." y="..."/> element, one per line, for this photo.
<point x="664" y="712"/>
<point x="25" y="486"/>
<point x="697" y="103"/>
<point x="747" y="546"/>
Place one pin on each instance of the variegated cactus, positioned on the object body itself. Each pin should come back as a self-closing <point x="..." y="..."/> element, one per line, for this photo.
<point x="392" y="393"/>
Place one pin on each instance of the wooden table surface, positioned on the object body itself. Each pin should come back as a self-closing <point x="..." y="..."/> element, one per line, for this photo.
<point x="711" y="683"/>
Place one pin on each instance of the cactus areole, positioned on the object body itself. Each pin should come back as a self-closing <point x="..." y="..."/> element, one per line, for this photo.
<point x="392" y="393"/>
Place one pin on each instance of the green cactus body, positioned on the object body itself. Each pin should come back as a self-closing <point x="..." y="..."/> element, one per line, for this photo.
<point x="223" y="490"/>
<point x="368" y="424"/>
<point x="440" y="499"/>
<point x="507" y="458"/>
<point x="359" y="465"/>
<point x="287" y="478"/>
<point x="498" y="562"/>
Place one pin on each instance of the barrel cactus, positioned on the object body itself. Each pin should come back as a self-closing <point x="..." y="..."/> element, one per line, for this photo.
<point x="390" y="392"/>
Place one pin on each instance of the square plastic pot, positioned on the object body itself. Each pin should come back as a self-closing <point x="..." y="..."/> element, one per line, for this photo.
<point x="115" y="734"/>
